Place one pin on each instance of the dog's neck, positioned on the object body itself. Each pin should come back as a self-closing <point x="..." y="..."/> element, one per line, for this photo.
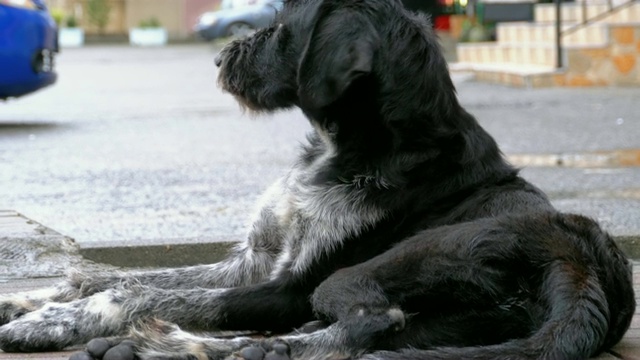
<point x="367" y="150"/>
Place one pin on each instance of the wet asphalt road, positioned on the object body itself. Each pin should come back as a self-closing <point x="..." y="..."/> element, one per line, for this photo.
<point x="140" y="144"/>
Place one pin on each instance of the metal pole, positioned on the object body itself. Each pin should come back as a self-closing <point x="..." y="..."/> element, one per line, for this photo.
<point x="558" y="34"/>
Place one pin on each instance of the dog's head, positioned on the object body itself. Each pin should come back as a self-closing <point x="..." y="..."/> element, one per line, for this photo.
<point x="319" y="52"/>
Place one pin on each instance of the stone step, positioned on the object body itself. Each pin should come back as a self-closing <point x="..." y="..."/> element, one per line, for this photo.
<point x="515" y="54"/>
<point x="530" y="65"/>
<point x="518" y="75"/>
<point x="576" y="12"/>
<point x="545" y="34"/>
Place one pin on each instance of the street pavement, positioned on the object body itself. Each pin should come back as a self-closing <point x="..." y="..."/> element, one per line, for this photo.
<point x="139" y="145"/>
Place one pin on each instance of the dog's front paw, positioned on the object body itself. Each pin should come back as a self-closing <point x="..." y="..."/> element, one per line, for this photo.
<point x="58" y="325"/>
<point x="26" y="335"/>
<point x="11" y="309"/>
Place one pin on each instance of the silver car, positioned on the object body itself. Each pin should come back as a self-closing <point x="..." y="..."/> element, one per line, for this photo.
<point x="237" y="19"/>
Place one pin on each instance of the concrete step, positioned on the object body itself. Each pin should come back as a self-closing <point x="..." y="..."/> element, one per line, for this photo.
<point x="533" y="65"/>
<point x="519" y="33"/>
<point x="576" y="12"/>
<point x="511" y="74"/>
<point x="509" y="54"/>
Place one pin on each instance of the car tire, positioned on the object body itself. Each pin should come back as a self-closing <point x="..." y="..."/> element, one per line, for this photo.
<point x="239" y="29"/>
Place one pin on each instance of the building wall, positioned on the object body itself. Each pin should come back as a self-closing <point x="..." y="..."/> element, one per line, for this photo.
<point x="177" y="16"/>
<point x="195" y="8"/>
<point x="78" y="9"/>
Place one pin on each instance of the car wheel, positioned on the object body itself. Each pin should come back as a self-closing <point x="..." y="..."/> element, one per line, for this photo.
<point x="237" y="30"/>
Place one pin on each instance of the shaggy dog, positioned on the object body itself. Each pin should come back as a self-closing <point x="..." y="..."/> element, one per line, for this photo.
<point x="401" y="230"/>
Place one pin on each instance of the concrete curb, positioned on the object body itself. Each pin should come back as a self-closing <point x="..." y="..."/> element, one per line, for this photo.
<point x="27" y="238"/>
<point x="162" y="253"/>
<point x="630" y="245"/>
<point x="159" y="252"/>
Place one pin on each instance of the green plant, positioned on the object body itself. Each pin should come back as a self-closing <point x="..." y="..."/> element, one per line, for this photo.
<point x="72" y="22"/>
<point x="98" y="12"/>
<point x="150" y="23"/>
<point x="474" y="32"/>
<point x="57" y="15"/>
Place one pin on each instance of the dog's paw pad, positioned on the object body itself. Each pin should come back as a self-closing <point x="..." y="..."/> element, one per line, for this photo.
<point x="98" y="347"/>
<point x="81" y="355"/>
<point x="252" y="353"/>
<point x="108" y="349"/>
<point x="280" y="352"/>
<point x="277" y="351"/>
<point x="122" y="351"/>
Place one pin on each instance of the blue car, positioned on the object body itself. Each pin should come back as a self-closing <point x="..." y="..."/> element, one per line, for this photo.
<point x="28" y="44"/>
<point x="237" y="21"/>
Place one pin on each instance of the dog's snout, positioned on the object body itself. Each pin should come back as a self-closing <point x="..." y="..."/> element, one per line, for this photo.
<point x="218" y="60"/>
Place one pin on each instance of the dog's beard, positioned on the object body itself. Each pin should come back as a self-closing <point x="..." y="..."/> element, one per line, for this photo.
<point x="228" y="77"/>
<point x="256" y="75"/>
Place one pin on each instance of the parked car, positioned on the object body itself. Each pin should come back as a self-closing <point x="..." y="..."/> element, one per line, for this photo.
<point x="237" y="21"/>
<point x="228" y="4"/>
<point x="28" y="44"/>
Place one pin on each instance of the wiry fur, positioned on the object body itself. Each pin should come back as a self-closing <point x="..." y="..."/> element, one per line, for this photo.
<point x="401" y="227"/>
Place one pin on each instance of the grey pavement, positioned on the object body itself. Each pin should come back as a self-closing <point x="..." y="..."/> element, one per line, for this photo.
<point x="138" y="149"/>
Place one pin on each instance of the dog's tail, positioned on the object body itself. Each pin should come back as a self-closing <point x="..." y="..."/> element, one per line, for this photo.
<point x="579" y="323"/>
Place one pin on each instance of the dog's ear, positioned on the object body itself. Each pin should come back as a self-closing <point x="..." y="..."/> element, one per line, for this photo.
<point x="340" y="49"/>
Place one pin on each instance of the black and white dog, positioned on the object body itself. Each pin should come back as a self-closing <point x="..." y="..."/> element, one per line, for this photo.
<point x="400" y="233"/>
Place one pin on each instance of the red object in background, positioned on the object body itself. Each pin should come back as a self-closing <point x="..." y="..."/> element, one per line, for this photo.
<point x="194" y="8"/>
<point x="442" y="22"/>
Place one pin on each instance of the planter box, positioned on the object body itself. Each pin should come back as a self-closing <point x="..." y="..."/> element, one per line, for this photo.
<point x="148" y="36"/>
<point x="71" y="37"/>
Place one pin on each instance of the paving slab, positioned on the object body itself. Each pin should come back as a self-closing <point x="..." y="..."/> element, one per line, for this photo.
<point x="30" y="250"/>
